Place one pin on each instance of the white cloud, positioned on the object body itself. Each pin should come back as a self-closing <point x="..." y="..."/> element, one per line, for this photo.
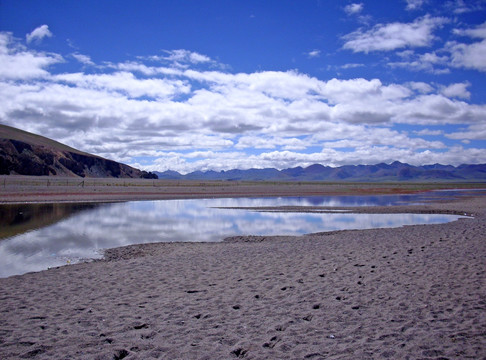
<point x="435" y="109"/>
<point x="421" y="87"/>
<point x="19" y="63"/>
<point x="414" y="4"/>
<point x="351" y="66"/>
<point x="429" y="62"/>
<point x="477" y="32"/>
<point x="354" y="8"/>
<point x="182" y="58"/>
<point x="83" y="59"/>
<point x="469" y="55"/>
<point x="386" y="37"/>
<point x="360" y="136"/>
<point x="127" y="83"/>
<point x="472" y="132"/>
<point x="458" y="90"/>
<point x="148" y="70"/>
<point x="332" y="157"/>
<point x="192" y="119"/>
<point x="38" y="34"/>
<point x="179" y="60"/>
<point x="453" y="54"/>
<point x="461" y="6"/>
<point x="186" y="56"/>
<point x="429" y="132"/>
<point x="314" y="53"/>
<point x="361" y="93"/>
<point x="272" y="142"/>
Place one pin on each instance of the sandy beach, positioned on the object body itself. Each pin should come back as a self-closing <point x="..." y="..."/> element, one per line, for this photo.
<point x="416" y="292"/>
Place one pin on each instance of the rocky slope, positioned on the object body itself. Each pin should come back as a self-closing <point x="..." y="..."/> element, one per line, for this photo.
<point x="24" y="153"/>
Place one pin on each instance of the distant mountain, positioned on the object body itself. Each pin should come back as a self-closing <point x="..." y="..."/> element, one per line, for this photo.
<point x="24" y="153"/>
<point x="395" y="171"/>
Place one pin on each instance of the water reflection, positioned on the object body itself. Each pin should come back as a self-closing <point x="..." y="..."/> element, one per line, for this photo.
<point x="80" y="231"/>
<point x="20" y="218"/>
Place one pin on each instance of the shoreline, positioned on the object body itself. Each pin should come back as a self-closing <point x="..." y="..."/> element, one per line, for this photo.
<point x="411" y="292"/>
<point x="32" y="189"/>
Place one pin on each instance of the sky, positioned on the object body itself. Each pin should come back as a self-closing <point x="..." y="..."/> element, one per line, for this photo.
<point x="216" y="85"/>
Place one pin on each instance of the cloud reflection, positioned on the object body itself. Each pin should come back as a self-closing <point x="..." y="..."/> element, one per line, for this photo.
<point x="84" y="234"/>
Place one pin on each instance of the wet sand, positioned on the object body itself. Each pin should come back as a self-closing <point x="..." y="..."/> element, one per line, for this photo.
<point x="416" y="292"/>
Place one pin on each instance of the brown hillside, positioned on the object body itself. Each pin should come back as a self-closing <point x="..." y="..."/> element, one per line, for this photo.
<point x="24" y="153"/>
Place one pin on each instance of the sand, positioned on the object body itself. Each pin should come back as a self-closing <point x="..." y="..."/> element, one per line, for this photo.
<point x="416" y="292"/>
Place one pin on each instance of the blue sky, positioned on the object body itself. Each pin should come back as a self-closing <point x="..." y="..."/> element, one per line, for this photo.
<point x="199" y="85"/>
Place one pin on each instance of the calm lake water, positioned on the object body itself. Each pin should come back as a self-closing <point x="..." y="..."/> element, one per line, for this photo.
<point x="35" y="237"/>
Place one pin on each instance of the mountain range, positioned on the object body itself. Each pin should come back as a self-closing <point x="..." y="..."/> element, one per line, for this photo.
<point x="395" y="171"/>
<point x="24" y="153"/>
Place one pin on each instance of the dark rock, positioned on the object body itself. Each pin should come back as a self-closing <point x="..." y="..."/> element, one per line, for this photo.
<point x="240" y="353"/>
<point x="120" y="354"/>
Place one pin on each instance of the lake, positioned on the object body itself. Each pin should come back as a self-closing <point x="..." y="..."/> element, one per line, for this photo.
<point x="35" y="237"/>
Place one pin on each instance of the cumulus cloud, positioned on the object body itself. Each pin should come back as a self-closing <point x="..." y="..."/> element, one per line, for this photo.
<point x="428" y="62"/>
<point x="477" y="32"/>
<point x="453" y="54"/>
<point x="469" y="55"/>
<point x="419" y="86"/>
<point x="187" y="118"/>
<point x="458" y="90"/>
<point x="127" y="83"/>
<point x="19" y="63"/>
<point x="38" y="34"/>
<point x="472" y="132"/>
<point x="386" y="37"/>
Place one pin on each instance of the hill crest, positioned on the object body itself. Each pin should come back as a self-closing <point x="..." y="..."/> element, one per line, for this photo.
<point x="24" y="153"/>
